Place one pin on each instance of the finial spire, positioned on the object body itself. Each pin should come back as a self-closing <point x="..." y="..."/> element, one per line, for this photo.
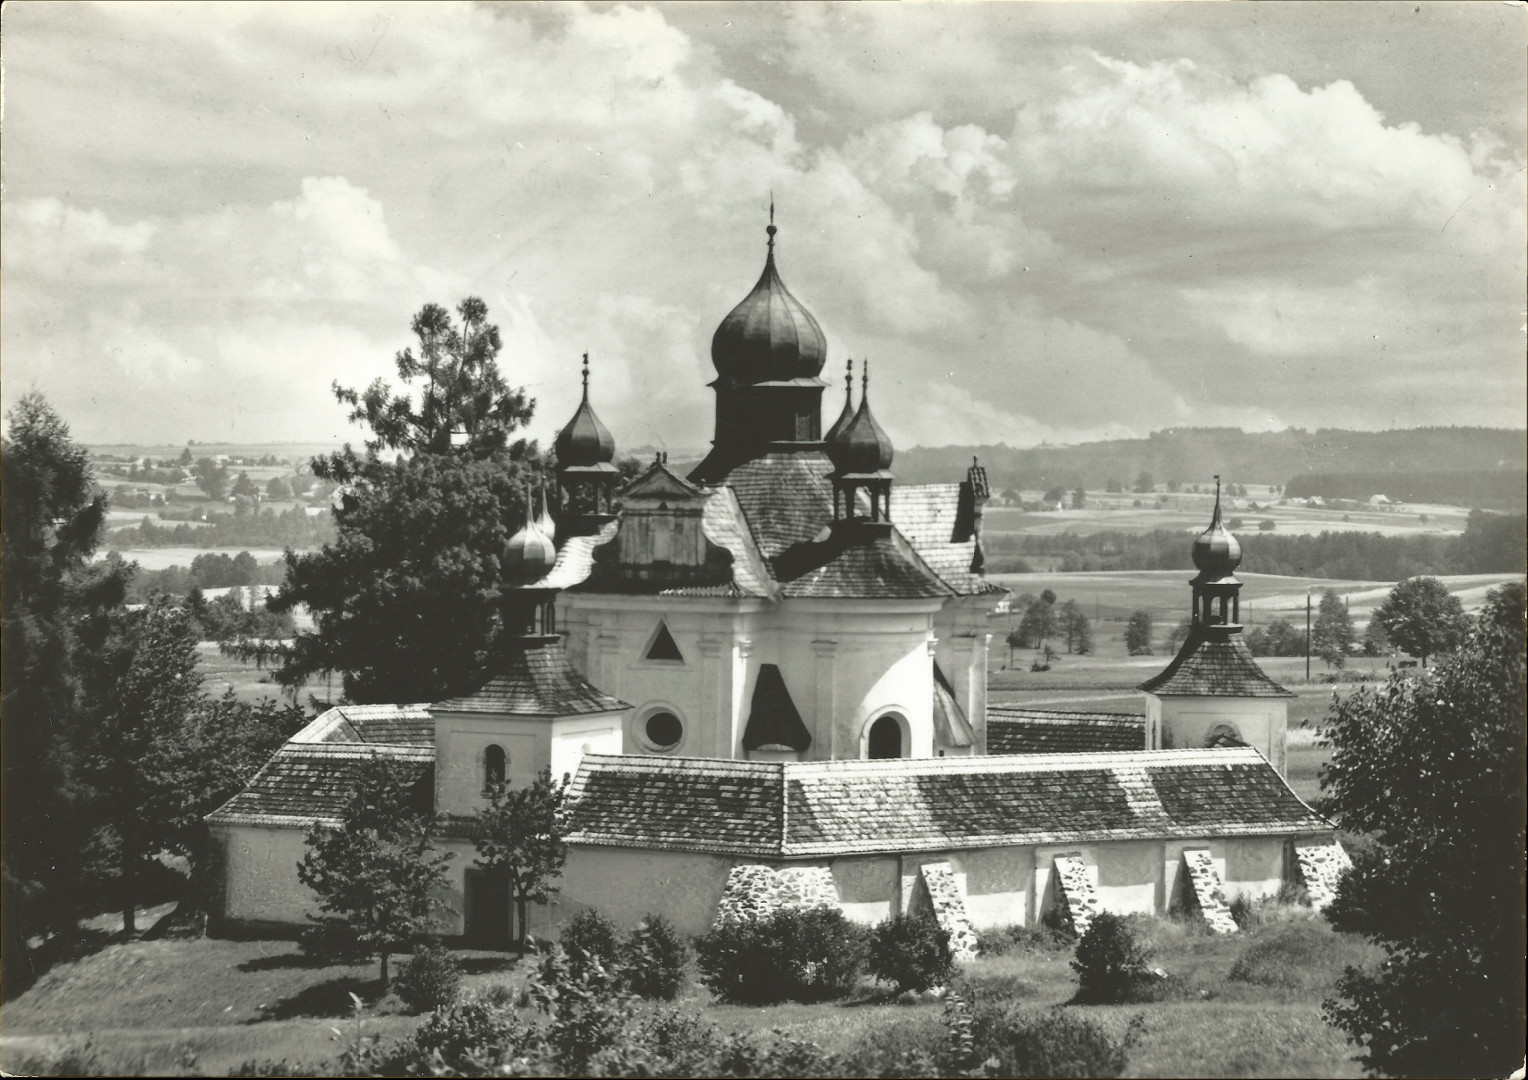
<point x="865" y="378"/>
<point x="849" y="379"/>
<point x="771" y="230"/>
<point x="586" y="374"/>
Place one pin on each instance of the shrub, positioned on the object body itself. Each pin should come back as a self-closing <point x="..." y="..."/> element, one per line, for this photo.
<point x="1057" y="922"/>
<point x="813" y="954"/>
<point x="654" y="960"/>
<point x="1051" y="1043"/>
<point x="912" y="952"/>
<point x="465" y="1037"/>
<point x="429" y="980"/>
<point x="1298" y="956"/>
<point x="591" y="936"/>
<point x="1111" y="962"/>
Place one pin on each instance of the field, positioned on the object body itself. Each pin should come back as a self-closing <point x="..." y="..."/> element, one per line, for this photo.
<point x="148" y="1008"/>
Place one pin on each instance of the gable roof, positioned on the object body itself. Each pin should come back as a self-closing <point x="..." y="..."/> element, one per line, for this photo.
<point x="535" y="679"/>
<point x="772" y="717"/>
<point x="1214" y="662"/>
<point x="808" y="809"/>
<point x="305" y="783"/>
<point x="857" y="560"/>
<point x="1012" y="729"/>
<point x="659" y="483"/>
<point x="398" y="725"/>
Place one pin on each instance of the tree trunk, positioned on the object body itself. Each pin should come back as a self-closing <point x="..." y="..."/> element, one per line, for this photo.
<point x="386" y="978"/>
<point x="520" y="935"/>
<point x="129" y="893"/>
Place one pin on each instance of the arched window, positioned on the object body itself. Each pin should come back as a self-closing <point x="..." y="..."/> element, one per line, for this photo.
<point x="494" y="760"/>
<point x="885" y="739"/>
<point x="1222" y="735"/>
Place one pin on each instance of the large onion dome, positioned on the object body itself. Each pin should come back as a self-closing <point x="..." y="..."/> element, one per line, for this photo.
<point x="530" y="553"/>
<point x="1216" y="552"/>
<point x="862" y="446"/>
<point x="847" y="415"/>
<point x="769" y="337"/>
<point x="585" y="441"/>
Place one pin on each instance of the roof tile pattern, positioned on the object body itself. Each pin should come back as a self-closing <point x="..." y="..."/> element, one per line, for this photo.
<point x="1015" y="730"/>
<point x="398" y="725"/>
<point x="535" y="679"/>
<point x="927" y="514"/>
<point x="1214" y="662"/>
<point x="803" y="809"/>
<point x="308" y="782"/>
<point x="858" y="560"/>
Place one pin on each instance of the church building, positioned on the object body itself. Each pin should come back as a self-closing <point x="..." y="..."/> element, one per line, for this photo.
<point x="767" y="682"/>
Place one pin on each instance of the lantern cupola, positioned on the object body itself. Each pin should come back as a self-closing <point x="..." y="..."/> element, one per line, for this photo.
<point x="585" y="475"/>
<point x="861" y="454"/>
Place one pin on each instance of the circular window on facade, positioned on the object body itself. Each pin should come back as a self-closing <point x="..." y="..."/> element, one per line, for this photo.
<point x="662" y="730"/>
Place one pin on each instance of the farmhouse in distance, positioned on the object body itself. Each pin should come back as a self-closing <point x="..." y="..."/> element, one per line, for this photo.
<point x="768" y="681"/>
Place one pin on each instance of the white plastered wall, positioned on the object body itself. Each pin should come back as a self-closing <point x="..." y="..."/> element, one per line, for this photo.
<point x="260" y="866"/>
<point x="530" y="745"/>
<point x="625" y="884"/>
<point x="1184" y="723"/>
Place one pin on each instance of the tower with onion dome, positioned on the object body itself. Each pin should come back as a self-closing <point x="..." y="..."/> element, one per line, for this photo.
<point x="1214" y="693"/>
<point x="586" y="474"/>
<point x="768" y="354"/>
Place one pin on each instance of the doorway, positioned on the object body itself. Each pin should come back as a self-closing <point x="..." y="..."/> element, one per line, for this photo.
<point x="487" y="910"/>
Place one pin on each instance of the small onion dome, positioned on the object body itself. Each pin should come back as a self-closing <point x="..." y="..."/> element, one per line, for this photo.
<point x="769" y="337"/>
<point x="847" y="414"/>
<point x="585" y="441"/>
<point x="1216" y="552"/>
<point x="544" y="520"/>
<point x="530" y="553"/>
<point x="862" y="446"/>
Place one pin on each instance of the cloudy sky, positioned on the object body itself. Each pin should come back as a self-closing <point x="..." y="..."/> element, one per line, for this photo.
<point x="1040" y="221"/>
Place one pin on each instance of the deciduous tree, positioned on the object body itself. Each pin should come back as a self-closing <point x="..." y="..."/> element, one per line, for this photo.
<point x="1422" y="618"/>
<point x="212" y="478"/>
<point x="519" y="838"/>
<point x="1430" y="768"/>
<point x="377" y="875"/>
<point x="1332" y="635"/>
<point x="1138" y="633"/>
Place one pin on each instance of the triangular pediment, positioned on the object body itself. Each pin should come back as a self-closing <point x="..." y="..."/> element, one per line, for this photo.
<point x="659" y="483"/>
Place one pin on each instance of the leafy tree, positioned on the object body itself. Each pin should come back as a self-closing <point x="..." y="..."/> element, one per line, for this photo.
<point x="1375" y="641"/>
<point x="1056" y="495"/>
<point x="1038" y="623"/>
<point x="377" y="872"/>
<point x="463" y="394"/>
<point x="244" y="486"/>
<point x="1079" y="499"/>
<point x="1431" y="768"/>
<point x="53" y="611"/>
<point x="212" y="478"/>
<point x="1048" y="595"/>
<point x="1422" y="618"/>
<point x="1278" y="638"/>
<point x="1074" y="624"/>
<point x="1138" y="633"/>
<point x="277" y="488"/>
<point x="519" y="838"/>
<point x="1172" y="486"/>
<point x="145" y="689"/>
<point x="1332" y="635"/>
<point x="1145" y="483"/>
<point x="1180" y="634"/>
<point x="406" y="600"/>
<point x="1114" y="487"/>
<point x="185" y="457"/>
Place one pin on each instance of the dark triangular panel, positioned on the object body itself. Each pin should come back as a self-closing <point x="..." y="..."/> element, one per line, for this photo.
<point x="663" y="646"/>
<point x="773" y="719"/>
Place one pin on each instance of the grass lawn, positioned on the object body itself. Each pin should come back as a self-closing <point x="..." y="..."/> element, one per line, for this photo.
<point x="148" y="1007"/>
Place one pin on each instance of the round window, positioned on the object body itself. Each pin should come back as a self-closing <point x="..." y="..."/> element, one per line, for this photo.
<point x="663" y="730"/>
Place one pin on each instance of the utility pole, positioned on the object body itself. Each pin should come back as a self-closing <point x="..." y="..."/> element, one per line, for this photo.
<point x="1307" y="633"/>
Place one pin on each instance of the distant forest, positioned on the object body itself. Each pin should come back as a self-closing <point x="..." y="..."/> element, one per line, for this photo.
<point x="1350" y="464"/>
<point x="265" y="528"/>
<point x="1491" y="543"/>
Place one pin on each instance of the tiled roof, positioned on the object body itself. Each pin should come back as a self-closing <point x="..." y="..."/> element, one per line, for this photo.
<point x="857" y="560"/>
<point x="308" y="782"/>
<point x="575" y="559"/>
<point x="951" y="728"/>
<point x="786" y="498"/>
<point x="1214" y="662"/>
<point x="928" y="515"/>
<point x="805" y="809"/>
<point x="535" y="679"/>
<point x="399" y="725"/>
<point x="772" y="718"/>
<point x="1015" y="730"/>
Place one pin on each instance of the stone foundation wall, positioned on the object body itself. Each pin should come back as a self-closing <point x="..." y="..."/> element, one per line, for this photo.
<point x="1075" y="891"/>
<point x="940" y="891"/>
<point x="1204" y="886"/>
<point x="1322" y="866"/>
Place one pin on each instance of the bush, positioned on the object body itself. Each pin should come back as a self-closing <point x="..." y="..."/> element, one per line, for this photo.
<point x="1112" y="963"/>
<point x="1051" y="1043"/>
<point x="654" y="960"/>
<point x="591" y="936"/>
<point x="1300" y="956"/>
<point x="997" y="940"/>
<point x="912" y="952"/>
<point x="429" y="980"/>
<point x="814" y="954"/>
<point x="464" y="1037"/>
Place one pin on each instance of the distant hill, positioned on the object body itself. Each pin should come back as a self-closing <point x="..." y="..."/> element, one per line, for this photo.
<point x="1194" y="455"/>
